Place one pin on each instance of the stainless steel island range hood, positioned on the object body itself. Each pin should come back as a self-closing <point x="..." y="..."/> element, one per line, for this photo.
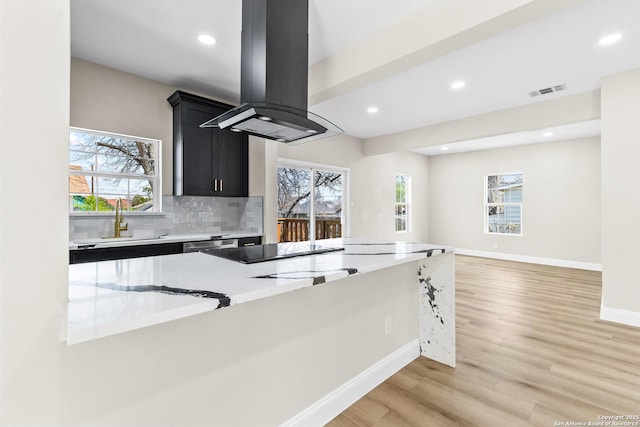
<point x="274" y="75"/>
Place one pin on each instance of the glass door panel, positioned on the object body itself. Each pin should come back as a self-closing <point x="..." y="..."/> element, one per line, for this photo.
<point x="328" y="204"/>
<point x="294" y="207"/>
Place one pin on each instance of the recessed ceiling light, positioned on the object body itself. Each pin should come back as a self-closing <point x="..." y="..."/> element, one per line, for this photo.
<point x="312" y="131"/>
<point x="372" y="110"/>
<point x="610" y="39"/>
<point x="207" y="39"/>
<point x="235" y="130"/>
<point x="547" y="134"/>
<point x="444" y="148"/>
<point x="458" y="85"/>
<point x="265" y="118"/>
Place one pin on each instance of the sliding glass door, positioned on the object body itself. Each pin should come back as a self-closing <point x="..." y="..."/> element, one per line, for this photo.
<point x="310" y="203"/>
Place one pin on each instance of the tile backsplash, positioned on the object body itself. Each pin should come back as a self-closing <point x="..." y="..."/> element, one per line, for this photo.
<point x="181" y="215"/>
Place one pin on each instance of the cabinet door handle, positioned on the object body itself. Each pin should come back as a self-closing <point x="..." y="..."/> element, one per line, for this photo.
<point x="221" y="185"/>
<point x="215" y="184"/>
<point x="249" y="244"/>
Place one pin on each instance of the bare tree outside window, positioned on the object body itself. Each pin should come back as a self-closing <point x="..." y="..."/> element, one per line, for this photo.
<point x="293" y="192"/>
<point x="296" y="187"/>
<point x="104" y="167"/>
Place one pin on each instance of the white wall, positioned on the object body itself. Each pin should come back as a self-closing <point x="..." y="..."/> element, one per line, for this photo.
<point x="373" y="196"/>
<point x="34" y="135"/>
<point x="620" y="202"/>
<point x="263" y="181"/>
<point x="561" y="200"/>
<point x="339" y="150"/>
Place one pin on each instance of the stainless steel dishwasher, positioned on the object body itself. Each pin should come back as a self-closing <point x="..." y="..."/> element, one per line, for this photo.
<point x="209" y="244"/>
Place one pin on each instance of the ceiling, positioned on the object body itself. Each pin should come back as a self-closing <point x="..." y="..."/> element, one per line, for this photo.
<point x="156" y="39"/>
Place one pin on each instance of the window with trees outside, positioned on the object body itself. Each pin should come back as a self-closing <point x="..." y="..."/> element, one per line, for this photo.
<point x="403" y="192"/>
<point x="503" y="204"/>
<point x="105" y="167"/>
<point x="310" y="198"/>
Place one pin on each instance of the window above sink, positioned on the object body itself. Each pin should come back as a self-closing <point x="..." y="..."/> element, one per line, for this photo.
<point x="105" y="167"/>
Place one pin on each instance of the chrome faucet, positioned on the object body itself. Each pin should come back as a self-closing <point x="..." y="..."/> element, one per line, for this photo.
<point x="118" y="226"/>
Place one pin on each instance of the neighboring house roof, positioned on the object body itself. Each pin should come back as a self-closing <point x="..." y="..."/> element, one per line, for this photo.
<point x="78" y="184"/>
<point x="125" y="202"/>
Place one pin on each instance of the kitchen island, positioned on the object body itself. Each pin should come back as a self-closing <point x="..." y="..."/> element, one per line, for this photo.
<point x="323" y="318"/>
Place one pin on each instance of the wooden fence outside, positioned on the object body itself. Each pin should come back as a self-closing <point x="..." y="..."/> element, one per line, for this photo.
<point x="297" y="229"/>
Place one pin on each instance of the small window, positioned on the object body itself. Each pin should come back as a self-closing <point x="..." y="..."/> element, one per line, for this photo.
<point x="105" y="167"/>
<point x="503" y="204"/>
<point x="403" y="191"/>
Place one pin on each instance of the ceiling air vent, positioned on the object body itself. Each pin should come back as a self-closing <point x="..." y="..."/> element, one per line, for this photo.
<point x="546" y="90"/>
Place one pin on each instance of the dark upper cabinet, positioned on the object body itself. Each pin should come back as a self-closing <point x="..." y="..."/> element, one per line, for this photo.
<point x="206" y="161"/>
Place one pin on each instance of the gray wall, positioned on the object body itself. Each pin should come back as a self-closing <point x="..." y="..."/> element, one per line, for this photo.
<point x="109" y="100"/>
<point x="561" y="200"/>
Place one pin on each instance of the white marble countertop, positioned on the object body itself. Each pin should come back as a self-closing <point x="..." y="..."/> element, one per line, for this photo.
<point x="111" y="297"/>
<point x="153" y="240"/>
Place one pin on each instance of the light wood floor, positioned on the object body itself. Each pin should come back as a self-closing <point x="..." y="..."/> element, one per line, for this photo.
<point x="531" y="350"/>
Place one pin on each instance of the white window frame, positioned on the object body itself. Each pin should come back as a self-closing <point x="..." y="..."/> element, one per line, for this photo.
<point x="156" y="178"/>
<point x="406" y="203"/>
<point x="298" y="164"/>
<point x="487" y="205"/>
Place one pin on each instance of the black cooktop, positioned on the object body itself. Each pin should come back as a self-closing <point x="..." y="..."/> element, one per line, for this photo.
<point x="270" y="252"/>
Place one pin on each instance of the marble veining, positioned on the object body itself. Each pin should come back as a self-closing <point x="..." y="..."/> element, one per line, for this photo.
<point x="223" y="299"/>
<point x="430" y="291"/>
<point x="428" y="252"/>
<point x="317" y="276"/>
<point x="436" y="324"/>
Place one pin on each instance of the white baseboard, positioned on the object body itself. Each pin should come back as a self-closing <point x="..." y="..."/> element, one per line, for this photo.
<point x="330" y="406"/>
<point x="626" y="317"/>
<point x="533" y="260"/>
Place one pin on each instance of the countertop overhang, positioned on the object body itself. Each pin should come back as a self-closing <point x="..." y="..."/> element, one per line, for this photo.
<point x="112" y="297"/>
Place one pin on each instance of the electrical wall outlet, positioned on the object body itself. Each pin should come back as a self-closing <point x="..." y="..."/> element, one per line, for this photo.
<point x="388" y="326"/>
<point x="495" y="246"/>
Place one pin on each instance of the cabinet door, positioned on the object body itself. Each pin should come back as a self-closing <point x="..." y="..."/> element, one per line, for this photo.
<point x="207" y="161"/>
<point x="198" y="151"/>
<point x="232" y="161"/>
<point x="105" y="254"/>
